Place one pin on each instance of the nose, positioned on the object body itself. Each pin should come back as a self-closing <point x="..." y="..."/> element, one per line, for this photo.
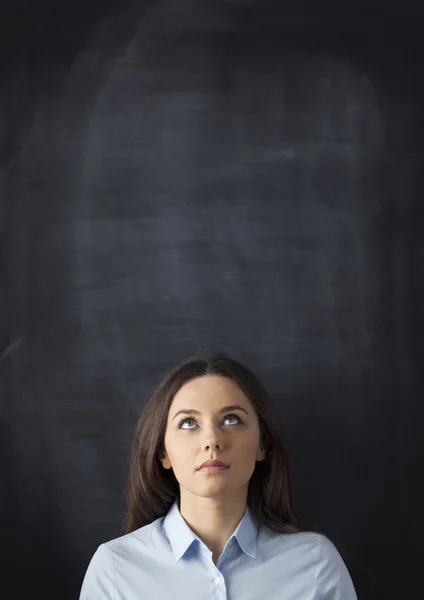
<point x="213" y="440"/>
<point x="216" y="446"/>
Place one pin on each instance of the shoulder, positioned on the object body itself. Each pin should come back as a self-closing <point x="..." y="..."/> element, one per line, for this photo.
<point x="317" y="557"/>
<point x="324" y="548"/>
<point x="144" y="538"/>
<point x="316" y="546"/>
<point x="126" y="552"/>
<point x="317" y="549"/>
<point x="100" y="575"/>
<point x="300" y="543"/>
<point x="331" y="573"/>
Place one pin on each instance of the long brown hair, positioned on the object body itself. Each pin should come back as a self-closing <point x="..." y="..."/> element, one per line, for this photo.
<point x="151" y="489"/>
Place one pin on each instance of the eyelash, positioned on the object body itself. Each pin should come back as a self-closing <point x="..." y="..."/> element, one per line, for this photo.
<point x="240" y="422"/>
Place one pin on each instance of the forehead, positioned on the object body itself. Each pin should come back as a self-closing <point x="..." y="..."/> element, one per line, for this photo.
<point x="202" y="391"/>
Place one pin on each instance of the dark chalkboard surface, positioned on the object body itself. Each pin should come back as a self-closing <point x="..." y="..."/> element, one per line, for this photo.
<point x="181" y="177"/>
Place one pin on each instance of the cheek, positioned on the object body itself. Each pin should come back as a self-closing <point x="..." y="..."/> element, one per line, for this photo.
<point x="245" y="446"/>
<point x="178" y="448"/>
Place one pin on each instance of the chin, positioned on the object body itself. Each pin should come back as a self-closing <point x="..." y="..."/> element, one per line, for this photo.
<point x="212" y="491"/>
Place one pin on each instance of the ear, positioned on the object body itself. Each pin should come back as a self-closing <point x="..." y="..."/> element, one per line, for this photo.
<point x="166" y="463"/>
<point x="260" y="455"/>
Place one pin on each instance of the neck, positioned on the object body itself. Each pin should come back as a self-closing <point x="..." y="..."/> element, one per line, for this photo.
<point x="213" y="520"/>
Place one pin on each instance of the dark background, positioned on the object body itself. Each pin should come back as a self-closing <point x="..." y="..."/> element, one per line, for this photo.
<point x="183" y="176"/>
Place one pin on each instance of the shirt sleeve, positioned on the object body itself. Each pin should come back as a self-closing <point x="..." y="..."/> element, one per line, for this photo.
<point x="333" y="578"/>
<point x="100" y="579"/>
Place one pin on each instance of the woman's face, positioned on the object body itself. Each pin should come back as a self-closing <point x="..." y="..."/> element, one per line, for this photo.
<point x="212" y="430"/>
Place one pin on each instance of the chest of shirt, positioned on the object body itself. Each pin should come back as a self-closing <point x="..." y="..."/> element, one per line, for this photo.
<point x="238" y="576"/>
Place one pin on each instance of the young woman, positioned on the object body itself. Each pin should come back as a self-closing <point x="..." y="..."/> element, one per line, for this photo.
<point x="210" y="512"/>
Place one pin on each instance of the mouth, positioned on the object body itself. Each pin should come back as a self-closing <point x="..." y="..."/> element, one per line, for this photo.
<point x="213" y="466"/>
<point x="213" y="469"/>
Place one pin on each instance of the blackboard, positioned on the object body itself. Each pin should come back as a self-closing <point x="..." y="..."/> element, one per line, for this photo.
<point x="179" y="177"/>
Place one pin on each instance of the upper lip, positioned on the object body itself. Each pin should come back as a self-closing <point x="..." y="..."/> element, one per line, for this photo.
<point x="213" y="463"/>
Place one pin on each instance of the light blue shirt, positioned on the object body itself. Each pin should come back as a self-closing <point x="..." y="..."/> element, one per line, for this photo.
<point x="165" y="560"/>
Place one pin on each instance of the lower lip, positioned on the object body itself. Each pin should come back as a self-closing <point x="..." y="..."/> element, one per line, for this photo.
<point x="213" y="469"/>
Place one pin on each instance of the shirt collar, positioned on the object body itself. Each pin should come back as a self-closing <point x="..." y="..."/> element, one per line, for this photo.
<point x="181" y="537"/>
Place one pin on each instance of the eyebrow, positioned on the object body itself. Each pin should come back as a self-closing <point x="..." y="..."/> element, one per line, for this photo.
<point x="193" y="411"/>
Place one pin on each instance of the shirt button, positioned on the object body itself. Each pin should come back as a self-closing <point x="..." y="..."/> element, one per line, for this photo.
<point x="217" y="580"/>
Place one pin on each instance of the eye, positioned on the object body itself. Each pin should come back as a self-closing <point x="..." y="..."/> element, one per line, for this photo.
<point x="233" y="417"/>
<point x="180" y="426"/>
<point x="230" y="416"/>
